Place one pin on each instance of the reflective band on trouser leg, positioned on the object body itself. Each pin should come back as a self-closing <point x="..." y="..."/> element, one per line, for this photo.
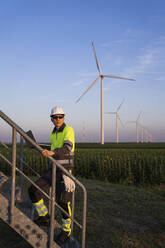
<point x="40" y="208"/>
<point x="66" y="223"/>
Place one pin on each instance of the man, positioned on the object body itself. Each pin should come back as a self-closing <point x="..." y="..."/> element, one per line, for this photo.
<point x="62" y="149"/>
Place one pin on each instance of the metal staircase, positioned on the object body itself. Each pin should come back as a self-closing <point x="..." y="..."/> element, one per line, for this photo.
<point x="16" y="209"/>
<point x="24" y="225"/>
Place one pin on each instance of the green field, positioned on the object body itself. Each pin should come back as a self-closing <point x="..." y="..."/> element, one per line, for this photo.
<point x="126" y="194"/>
<point x="124" y="145"/>
<point x="123" y="163"/>
<point x="118" y="216"/>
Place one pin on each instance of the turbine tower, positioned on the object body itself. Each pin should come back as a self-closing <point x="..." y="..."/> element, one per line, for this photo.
<point x="137" y="126"/>
<point x="117" y="118"/>
<point x="101" y="76"/>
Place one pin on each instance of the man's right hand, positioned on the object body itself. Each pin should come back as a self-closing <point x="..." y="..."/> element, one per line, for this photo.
<point x="47" y="153"/>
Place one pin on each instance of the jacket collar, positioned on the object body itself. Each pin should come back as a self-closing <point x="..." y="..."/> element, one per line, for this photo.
<point x="60" y="129"/>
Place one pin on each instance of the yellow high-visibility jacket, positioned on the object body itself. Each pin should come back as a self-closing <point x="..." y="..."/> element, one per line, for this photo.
<point x="63" y="144"/>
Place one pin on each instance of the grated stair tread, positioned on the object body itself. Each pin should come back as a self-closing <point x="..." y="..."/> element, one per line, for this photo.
<point x="25" y="226"/>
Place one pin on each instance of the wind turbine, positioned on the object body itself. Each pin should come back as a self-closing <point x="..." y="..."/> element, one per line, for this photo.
<point x="101" y="76"/>
<point x="137" y="126"/>
<point x="147" y="133"/>
<point x="117" y="118"/>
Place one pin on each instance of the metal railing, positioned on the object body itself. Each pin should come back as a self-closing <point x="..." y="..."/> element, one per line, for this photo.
<point x="16" y="129"/>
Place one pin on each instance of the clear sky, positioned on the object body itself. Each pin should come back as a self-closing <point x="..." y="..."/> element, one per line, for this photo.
<point x="46" y="59"/>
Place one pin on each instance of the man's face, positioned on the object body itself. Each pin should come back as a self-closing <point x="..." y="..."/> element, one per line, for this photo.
<point x="57" y="120"/>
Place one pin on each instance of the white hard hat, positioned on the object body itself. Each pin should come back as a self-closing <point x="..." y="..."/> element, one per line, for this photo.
<point x="57" y="111"/>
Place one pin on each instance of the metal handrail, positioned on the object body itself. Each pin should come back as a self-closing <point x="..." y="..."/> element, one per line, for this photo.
<point x="4" y="145"/>
<point x="16" y="128"/>
<point x="22" y="161"/>
<point x="48" y="196"/>
<point x="43" y="192"/>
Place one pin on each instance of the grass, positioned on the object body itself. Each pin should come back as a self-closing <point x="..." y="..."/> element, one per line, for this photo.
<point x="122" y="145"/>
<point x="125" y="216"/>
<point x="118" y="216"/>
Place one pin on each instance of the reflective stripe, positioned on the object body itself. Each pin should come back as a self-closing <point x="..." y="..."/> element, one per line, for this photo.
<point x="39" y="202"/>
<point x="69" y="209"/>
<point x="66" y="229"/>
<point x="66" y="221"/>
<point x="43" y="213"/>
<point x="64" y="161"/>
<point x="40" y="208"/>
<point x="69" y="144"/>
<point x="66" y="225"/>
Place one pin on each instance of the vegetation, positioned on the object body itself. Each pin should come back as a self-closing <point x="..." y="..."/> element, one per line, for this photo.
<point x="124" y="166"/>
<point x="130" y="145"/>
<point x="121" y="216"/>
<point x="125" y="163"/>
<point x="118" y="216"/>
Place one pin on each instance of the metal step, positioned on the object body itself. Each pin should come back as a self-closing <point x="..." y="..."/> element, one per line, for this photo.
<point x="24" y="226"/>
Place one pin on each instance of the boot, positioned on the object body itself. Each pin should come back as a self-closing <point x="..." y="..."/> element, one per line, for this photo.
<point x="62" y="238"/>
<point x="43" y="220"/>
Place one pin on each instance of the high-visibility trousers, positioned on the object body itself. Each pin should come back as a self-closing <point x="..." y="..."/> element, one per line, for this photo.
<point x="63" y="198"/>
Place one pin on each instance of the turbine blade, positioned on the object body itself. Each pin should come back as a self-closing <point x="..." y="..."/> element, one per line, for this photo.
<point x="98" y="67"/>
<point x="120" y="105"/>
<point x="130" y="122"/>
<point x="88" y="89"/>
<point x="112" y="76"/>
<point x="139" y="115"/>
<point x="121" y="122"/>
<point x="110" y="113"/>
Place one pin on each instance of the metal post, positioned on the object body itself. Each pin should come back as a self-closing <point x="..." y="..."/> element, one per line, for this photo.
<point x="21" y="161"/>
<point x="12" y="203"/>
<point x="51" y="230"/>
<point x="49" y="205"/>
<point x="84" y="220"/>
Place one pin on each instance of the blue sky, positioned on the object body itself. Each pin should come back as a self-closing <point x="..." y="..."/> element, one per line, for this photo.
<point x="46" y="59"/>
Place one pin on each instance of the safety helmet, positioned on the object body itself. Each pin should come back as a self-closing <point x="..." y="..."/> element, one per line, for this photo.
<point x="57" y="111"/>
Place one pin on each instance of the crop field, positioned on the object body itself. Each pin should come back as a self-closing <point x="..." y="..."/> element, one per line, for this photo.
<point x="124" y="163"/>
<point x="121" y="212"/>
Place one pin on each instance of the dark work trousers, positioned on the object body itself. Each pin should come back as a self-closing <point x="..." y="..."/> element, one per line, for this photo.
<point x="45" y="182"/>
